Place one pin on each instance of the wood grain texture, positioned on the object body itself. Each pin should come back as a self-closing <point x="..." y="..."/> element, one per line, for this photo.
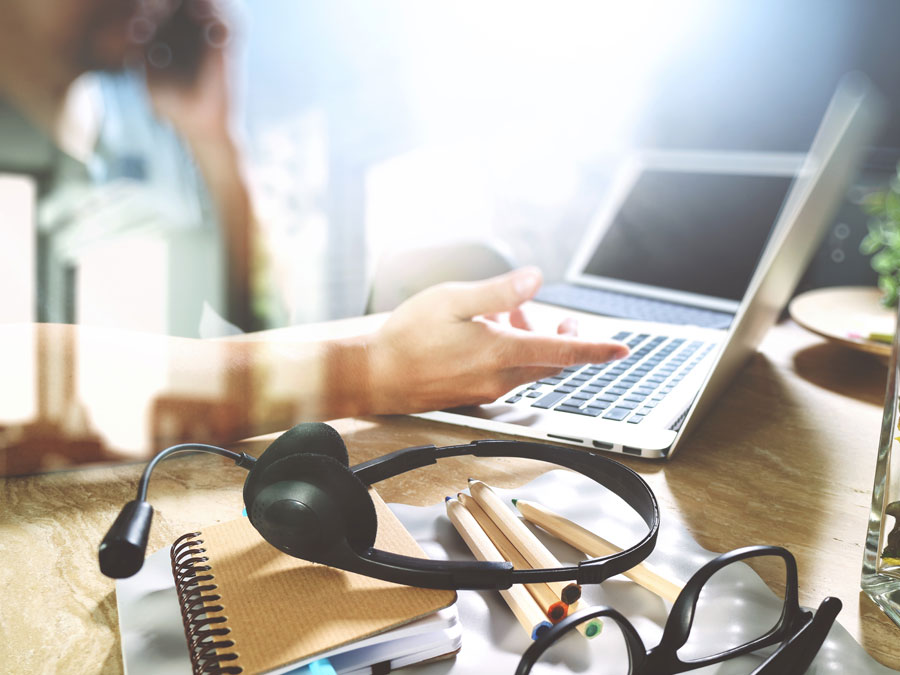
<point x="786" y="457"/>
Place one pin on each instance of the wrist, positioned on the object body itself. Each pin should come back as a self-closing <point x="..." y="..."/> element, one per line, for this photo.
<point x="347" y="379"/>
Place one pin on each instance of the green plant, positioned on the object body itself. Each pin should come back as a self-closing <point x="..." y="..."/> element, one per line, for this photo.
<point x="883" y="240"/>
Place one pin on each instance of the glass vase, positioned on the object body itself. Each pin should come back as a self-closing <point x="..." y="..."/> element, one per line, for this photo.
<point x="881" y="560"/>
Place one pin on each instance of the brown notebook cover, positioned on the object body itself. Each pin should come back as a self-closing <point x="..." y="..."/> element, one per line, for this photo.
<point x="248" y="608"/>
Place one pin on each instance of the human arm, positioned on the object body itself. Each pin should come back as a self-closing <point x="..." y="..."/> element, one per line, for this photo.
<point x="193" y="93"/>
<point x="76" y="394"/>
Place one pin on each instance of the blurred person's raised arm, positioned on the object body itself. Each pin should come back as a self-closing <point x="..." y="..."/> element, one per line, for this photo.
<point x="189" y="80"/>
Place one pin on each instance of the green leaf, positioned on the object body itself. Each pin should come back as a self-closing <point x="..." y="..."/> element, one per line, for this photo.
<point x="873" y="203"/>
<point x="869" y="244"/>
<point x="892" y="206"/>
<point x="877" y="226"/>
<point x="883" y="263"/>
<point x="891" y="238"/>
<point x="888" y="286"/>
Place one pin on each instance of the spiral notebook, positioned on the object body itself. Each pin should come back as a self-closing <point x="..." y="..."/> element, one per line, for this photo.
<point x="248" y="608"/>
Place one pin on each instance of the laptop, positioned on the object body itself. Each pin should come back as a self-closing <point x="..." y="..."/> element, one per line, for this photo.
<point x="690" y="262"/>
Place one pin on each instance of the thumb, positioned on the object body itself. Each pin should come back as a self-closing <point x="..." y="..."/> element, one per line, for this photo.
<point x="497" y="294"/>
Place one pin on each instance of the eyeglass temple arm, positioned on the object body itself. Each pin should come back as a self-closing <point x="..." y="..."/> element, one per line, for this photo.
<point x="796" y="653"/>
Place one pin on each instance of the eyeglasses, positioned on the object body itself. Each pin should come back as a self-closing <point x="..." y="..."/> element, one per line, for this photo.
<point x="798" y="632"/>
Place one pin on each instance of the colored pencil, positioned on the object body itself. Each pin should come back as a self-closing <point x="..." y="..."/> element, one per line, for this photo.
<point x="595" y="546"/>
<point x="553" y="607"/>
<point x="525" y="607"/>
<point x="522" y="538"/>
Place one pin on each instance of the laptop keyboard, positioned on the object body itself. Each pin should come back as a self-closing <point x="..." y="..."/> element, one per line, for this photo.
<point x="624" y="390"/>
<point x="626" y="306"/>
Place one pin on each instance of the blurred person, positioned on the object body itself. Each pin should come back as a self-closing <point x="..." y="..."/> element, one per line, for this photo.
<point x="444" y="347"/>
<point x="163" y="67"/>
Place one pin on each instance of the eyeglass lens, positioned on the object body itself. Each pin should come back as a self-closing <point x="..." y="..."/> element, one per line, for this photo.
<point x="736" y="607"/>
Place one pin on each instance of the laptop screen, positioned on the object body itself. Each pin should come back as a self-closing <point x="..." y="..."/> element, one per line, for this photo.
<point x="693" y="231"/>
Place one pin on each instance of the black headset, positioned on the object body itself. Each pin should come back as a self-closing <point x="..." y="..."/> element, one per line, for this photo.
<point x="304" y="499"/>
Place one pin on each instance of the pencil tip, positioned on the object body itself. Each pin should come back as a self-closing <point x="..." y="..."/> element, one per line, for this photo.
<point x="471" y="480"/>
<point x="557" y="612"/>
<point x="447" y="498"/>
<point x="571" y="593"/>
<point x="514" y="501"/>
<point x="540" y="629"/>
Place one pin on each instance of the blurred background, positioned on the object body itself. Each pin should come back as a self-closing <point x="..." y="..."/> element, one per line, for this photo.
<point x="370" y="129"/>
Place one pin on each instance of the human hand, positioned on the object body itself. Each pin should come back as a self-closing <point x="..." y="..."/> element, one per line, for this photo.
<point x="186" y="62"/>
<point x="440" y="348"/>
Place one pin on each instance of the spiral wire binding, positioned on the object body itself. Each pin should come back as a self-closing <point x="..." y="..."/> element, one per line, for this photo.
<point x="195" y="583"/>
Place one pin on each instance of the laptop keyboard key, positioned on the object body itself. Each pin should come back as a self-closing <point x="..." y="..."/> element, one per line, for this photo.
<point x="550" y="380"/>
<point x="624" y="390"/>
<point x="571" y="409"/>
<point x="549" y="400"/>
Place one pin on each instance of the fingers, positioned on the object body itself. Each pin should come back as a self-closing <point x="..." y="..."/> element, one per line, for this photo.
<point x="569" y="326"/>
<point x="492" y="296"/>
<point x="516" y="376"/>
<point x="517" y="319"/>
<point x="530" y="349"/>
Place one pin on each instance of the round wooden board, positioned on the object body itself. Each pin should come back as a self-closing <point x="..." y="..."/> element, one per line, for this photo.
<point x="845" y="315"/>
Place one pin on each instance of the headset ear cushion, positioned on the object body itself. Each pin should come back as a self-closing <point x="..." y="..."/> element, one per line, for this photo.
<point x="310" y="437"/>
<point x="347" y="493"/>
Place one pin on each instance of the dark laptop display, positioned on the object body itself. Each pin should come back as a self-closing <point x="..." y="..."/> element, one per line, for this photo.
<point x="680" y="242"/>
<point x="690" y="231"/>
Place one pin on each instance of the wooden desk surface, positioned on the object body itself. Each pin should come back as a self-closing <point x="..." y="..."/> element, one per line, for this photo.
<point x="787" y="457"/>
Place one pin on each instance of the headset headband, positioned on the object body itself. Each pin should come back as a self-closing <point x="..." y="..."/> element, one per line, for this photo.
<point x="618" y="478"/>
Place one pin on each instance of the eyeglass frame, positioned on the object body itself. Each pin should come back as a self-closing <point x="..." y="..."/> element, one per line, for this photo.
<point x="800" y="631"/>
